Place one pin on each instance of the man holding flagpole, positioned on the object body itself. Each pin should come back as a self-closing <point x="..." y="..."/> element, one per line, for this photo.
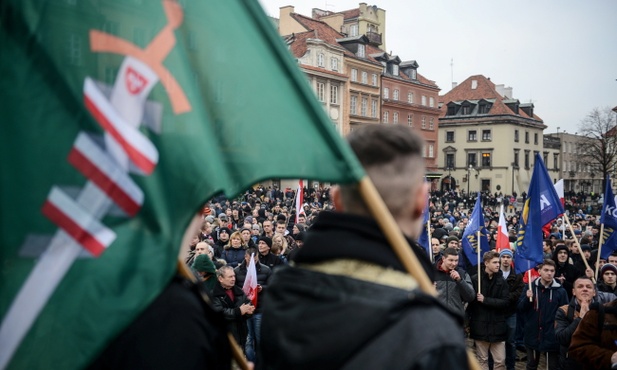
<point x="347" y="275"/>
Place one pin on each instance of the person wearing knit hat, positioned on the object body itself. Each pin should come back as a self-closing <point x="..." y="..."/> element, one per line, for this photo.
<point x="506" y="252"/>
<point x="608" y="279"/>
<point x="453" y="242"/>
<point x="515" y="289"/>
<point x="267" y="258"/>
<point x="204" y="267"/>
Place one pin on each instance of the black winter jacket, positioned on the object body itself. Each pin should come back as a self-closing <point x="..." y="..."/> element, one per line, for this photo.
<point x="487" y="320"/>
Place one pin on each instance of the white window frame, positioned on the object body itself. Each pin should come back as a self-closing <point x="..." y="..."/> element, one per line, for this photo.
<point x="321" y="92"/>
<point x="410" y="97"/>
<point x="374" y="108"/>
<point x="395" y="117"/>
<point x="395" y="94"/>
<point x="386" y="93"/>
<point x="374" y="79"/>
<point x="353" y="102"/>
<point x="364" y="77"/>
<point x="334" y="63"/>
<point x="334" y="94"/>
<point x="386" y="116"/>
<point x="321" y="60"/>
<point x="354" y="75"/>
<point x="363" y="107"/>
<point x="423" y="122"/>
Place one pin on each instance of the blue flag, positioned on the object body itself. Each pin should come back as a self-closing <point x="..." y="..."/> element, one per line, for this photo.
<point x="609" y="220"/>
<point x="424" y="240"/>
<point x="541" y="207"/>
<point x="470" y="236"/>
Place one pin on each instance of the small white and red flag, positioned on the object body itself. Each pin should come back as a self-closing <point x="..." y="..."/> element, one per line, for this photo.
<point x="503" y="241"/>
<point x="299" y="199"/>
<point x="250" y="284"/>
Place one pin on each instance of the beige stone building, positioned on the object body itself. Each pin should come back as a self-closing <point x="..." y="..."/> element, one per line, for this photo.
<point x="488" y="139"/>
<point x="578" y="174"/>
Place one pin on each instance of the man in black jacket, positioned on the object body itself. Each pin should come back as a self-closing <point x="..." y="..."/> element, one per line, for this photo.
<point x="487" y="314"/>
<point x="347" y="302"/>
<point x="515" y="289"/>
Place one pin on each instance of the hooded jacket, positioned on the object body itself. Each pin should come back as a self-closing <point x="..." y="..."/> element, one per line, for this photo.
<point x="347" y="276"/>
<point x="539" y="315"/>
<point x="452" y="293"/>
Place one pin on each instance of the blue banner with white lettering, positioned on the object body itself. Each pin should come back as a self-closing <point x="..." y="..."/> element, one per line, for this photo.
<point x="609" y="220"/>
<point x="541" y="207"/>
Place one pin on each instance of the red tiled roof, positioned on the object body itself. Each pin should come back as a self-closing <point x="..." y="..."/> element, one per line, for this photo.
<point x="485" y="89"/>
<point x="351" y="13"/>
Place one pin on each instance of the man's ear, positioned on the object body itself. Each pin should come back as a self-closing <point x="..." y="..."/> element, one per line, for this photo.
<point x="335" y="195"/>
<point x="419" y="198"/>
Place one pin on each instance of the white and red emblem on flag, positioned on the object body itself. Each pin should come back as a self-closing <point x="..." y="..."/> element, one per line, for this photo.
<point x="299" y="199"/>
<point x="503" y="241"/>
<point x="250" y="284"/>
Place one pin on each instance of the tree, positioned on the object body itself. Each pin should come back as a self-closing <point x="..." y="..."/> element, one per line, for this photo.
<point x="598" y="147"/>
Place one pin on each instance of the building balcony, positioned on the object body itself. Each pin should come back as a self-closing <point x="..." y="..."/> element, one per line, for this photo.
<point x="374" y="38"/>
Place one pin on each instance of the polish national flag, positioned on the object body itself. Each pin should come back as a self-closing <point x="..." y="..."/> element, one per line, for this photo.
<point x="250" y="283"/>
<point x="503" y="241"/>
<point x="299" y="199"/>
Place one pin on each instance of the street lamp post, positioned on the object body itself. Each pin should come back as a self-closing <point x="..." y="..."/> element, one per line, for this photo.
<point x="468" y="177"/>
<point x="449" y="178"/>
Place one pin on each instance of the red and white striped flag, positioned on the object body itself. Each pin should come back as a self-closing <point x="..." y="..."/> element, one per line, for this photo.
<point x="250" y="284"/>
<point x="299" y="199"/>
<point x="503" y="241"/>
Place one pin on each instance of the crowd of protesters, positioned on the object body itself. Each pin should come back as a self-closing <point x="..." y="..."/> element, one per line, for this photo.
<point x="536" y="313"/>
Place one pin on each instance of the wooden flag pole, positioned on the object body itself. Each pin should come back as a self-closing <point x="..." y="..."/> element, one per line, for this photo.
<point x="399" y="244"/>
<point x="530" y="287"/>
<point x="599" y="250"/>
<point x="185" y="272"/>
<point x="578" y="245"/>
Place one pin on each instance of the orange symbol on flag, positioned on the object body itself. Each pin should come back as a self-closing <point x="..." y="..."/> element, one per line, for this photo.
<point x="152" y="55"/>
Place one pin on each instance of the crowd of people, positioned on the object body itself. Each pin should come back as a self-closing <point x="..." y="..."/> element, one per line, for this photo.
<point x="554" y="311"/>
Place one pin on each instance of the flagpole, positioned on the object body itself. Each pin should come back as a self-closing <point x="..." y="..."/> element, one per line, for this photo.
<point x="599" y="250"/>
<point x="578" y="245"/>
<point x="430" y="238"/>
<point x="399" y="244"/>
<point x="529" y="280"/>
<point x="479" y="271"/>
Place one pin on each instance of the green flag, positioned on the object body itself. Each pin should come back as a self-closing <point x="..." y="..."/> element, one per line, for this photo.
<point x="119" y="119"/>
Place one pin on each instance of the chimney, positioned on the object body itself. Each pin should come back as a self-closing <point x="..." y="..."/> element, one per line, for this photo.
<point x="454" y="84"/>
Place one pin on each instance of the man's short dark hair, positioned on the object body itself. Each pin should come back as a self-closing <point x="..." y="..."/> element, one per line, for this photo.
<point x="549" y="263"/>
<point x="251" y="250"/>
<point x="450" y="252"/>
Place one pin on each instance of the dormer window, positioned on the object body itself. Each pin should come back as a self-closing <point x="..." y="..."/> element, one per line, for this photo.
<point x="414" y="74"/>
<point x="395" y="69"/>
<point x="361" y="50"/>
<point x="353" y="30"/>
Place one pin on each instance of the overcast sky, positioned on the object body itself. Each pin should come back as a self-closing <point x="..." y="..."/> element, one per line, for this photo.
<point x="559" y="54"/>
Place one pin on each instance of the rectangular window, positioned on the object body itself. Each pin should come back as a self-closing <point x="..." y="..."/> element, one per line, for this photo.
<point x="374" y="108"/>
<point x="423" y="100"/>
<point x="431" y="151"/>
<point x="364" y="78"/>
<point x="516" y="162"/>
<point x="466" y="110"/>
<point x="321" y="91"/>
<point x="431" y="123"/>
<point x="334" y="64"/>
<point x="556" y="161"/>
<point x="361" y="50"/>
<point x="516" y="136"/>
<point x="471" y="136"/>
<point x="410" y="120"/>
<point x="486" y="135"/>
<point x="363" y="107"/>
<point x="526" y="137"/>
<point x="333" y="94"/>
<point x="449" y="136"/>
<point x="374" y="79"/>
<point x="486" y="159"/>
<point x="423" y="120"/>
<point x="526" y="159"/>
<point x="385" y="116"/>
<point x="535" y="138"/>
<point x="471" y="159"/>
<point x="386" y="93"/>
<point x="320" y="60"/>
<point x="483" y="109"/>
<point x="431" y="102"/>
<point x="450" y="161"/>
<point x="545" y="159"/>
<point x="410" y="97"/>
<point x="354" y="75"/>
<point x="395" y="95"/>
<point x="395" y="70"/>
<point x="353" y="102"/>
<point x="395" y="117"/>
<point x="353" y="30"/>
